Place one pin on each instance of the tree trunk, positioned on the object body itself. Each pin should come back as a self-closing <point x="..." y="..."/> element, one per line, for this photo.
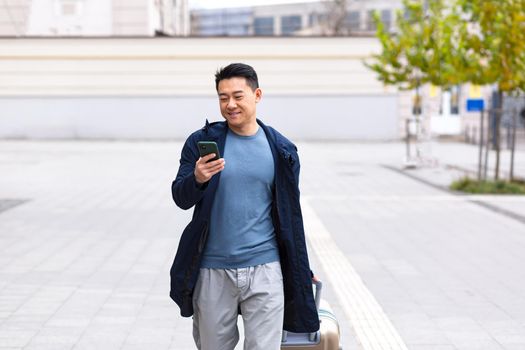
<point x="336" y="10"/>
<point x="499" y="113"/>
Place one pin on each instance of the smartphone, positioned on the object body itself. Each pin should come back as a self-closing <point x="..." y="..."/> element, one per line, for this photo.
<point x="207" y="147"/>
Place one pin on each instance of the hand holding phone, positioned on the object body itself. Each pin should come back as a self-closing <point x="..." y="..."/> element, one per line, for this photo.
<point x="208" y="147"/>
<point x="209" y="162"/>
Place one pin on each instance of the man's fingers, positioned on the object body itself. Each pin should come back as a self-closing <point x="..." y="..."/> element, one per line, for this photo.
<point x="211" y="173"/>
<point x="204" y="171"/>
<point x="215" y="162"/>
<point x="215" y="168"/>
<point x="208" y="157"/>
<point x="209" y="165"/>
<point x="205" y="159"/>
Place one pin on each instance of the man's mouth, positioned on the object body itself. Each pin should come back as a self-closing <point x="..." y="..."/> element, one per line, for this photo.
<point x="234" y="114"/>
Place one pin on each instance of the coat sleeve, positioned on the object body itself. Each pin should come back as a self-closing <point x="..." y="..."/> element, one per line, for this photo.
<point x="185" y="190"/>
<point x="296" y="166"/>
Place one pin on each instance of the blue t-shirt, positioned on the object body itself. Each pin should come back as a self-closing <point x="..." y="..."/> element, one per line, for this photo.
<point x="241" y="231"/>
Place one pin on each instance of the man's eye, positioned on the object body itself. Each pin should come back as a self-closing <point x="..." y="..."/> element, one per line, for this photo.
<point x="238" y="97"/>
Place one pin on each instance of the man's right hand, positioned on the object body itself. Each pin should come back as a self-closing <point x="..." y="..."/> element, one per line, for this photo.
<point x="204" y="170"/>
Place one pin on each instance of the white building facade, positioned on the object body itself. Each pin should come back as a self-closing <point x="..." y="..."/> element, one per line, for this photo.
<point x="62" y="18"/>
<point x="309" y="18"/>
<point x="304" y="70"/>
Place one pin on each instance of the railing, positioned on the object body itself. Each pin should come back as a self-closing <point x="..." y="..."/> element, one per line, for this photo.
<point x="508" y="136"/>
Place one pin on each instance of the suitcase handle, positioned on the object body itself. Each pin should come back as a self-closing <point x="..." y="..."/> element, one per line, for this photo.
<point x="318" y="288"/>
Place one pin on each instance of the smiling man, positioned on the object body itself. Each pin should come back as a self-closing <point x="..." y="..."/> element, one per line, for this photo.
<point x="244" y="250"/>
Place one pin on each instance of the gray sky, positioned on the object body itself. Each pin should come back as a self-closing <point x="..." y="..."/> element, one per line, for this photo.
<point x="239" y="3"/>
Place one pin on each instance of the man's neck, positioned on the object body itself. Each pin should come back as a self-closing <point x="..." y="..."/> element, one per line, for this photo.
<point x="246" y="130"/>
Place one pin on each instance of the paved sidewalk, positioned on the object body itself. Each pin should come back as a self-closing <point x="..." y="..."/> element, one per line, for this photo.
<point x="88" y="232"/>
<point x="446" y="271"/>
<point x="453" y="161"/>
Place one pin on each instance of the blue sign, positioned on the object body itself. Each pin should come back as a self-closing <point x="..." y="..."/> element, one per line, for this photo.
<point x="475" y="104"/>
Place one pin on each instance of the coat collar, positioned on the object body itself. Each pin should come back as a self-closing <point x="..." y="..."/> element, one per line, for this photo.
<point x="217" y="131"/>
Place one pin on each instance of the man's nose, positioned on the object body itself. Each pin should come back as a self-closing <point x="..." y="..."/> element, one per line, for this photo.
<point x="231" y="103"/>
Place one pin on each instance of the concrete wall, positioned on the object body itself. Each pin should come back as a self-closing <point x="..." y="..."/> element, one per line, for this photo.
<point x="321" y="117"/>
<point x="314" y="88"/>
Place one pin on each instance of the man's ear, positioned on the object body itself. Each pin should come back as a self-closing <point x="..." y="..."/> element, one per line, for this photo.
<point x="258" y="95"/>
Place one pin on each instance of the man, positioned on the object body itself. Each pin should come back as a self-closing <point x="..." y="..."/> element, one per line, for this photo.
<point x="244" y="250"/>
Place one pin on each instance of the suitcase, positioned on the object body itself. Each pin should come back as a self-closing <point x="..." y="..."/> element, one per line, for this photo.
<point x="328" y="337"/>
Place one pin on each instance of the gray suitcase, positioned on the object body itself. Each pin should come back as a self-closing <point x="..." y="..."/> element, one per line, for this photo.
<point x="328" y="337"/>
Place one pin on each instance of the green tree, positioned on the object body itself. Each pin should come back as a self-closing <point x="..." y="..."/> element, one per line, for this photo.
<point x="424" y="48"/>
<point x="449" y="42"/>
<point x="495" y="49"/>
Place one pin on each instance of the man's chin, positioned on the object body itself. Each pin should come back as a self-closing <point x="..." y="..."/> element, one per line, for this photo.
<point x="232" y="121"/>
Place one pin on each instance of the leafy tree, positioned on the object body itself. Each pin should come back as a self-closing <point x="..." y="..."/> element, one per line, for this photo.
<point x="449" y="42"/>
<point x="424" y="49"/>
<point x="495" y="42"/>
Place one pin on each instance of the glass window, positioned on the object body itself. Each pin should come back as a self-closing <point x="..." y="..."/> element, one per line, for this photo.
<point x="454" y="99"/>
<point x="223" y="22"/>
<point x="450" y="101"/>
<point x="69" y="7"/>
<point x="386" y="18"/>
<point x="406" y="15"/>
<point x="312" y="19"/>
<point x="290" y="24"/>
<point x="370" y="24"/>
<point x="352" y="20"/>
<point x="263" y="26"/>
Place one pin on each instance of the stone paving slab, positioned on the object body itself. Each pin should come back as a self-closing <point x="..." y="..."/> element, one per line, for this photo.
<point x="443" y="268"/>
<point x="84" y="262"/>
<point x="453" y="161"/>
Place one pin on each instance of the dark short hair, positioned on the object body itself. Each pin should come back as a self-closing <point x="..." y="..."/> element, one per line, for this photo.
<point x="237" y="70"/>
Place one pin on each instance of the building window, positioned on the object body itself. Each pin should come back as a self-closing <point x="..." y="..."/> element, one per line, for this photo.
<point x="370" y="24"/>
<point x="386" y="18"/>
<point x="263" y="26"/>
<point x="450" y="101"/>
<point x="312" y="19"/>
<point x="290" y="24"/>
<point x="454" y="99"/>
<point x="352" y="20"/>
<point x="68" y="7"/>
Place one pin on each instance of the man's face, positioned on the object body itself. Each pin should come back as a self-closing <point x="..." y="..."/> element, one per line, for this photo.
<point x="237" y="101"/>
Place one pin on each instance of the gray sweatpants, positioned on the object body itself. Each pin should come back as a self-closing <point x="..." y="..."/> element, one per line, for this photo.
<point x="258" y="290"/>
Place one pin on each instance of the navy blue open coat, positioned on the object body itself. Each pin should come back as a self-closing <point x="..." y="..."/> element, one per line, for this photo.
<point x="300" y="314"/>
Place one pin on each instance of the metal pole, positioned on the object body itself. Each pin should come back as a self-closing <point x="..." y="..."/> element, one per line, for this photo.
<point x="487" y="147"/>
<point x="497" y="133"/>
<point x="509" y="137"/>
<point x="480" y="144"/>
<point x="407" y="130"/>
<point x="418" y="119"/>
<point x="513" y="145"/>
